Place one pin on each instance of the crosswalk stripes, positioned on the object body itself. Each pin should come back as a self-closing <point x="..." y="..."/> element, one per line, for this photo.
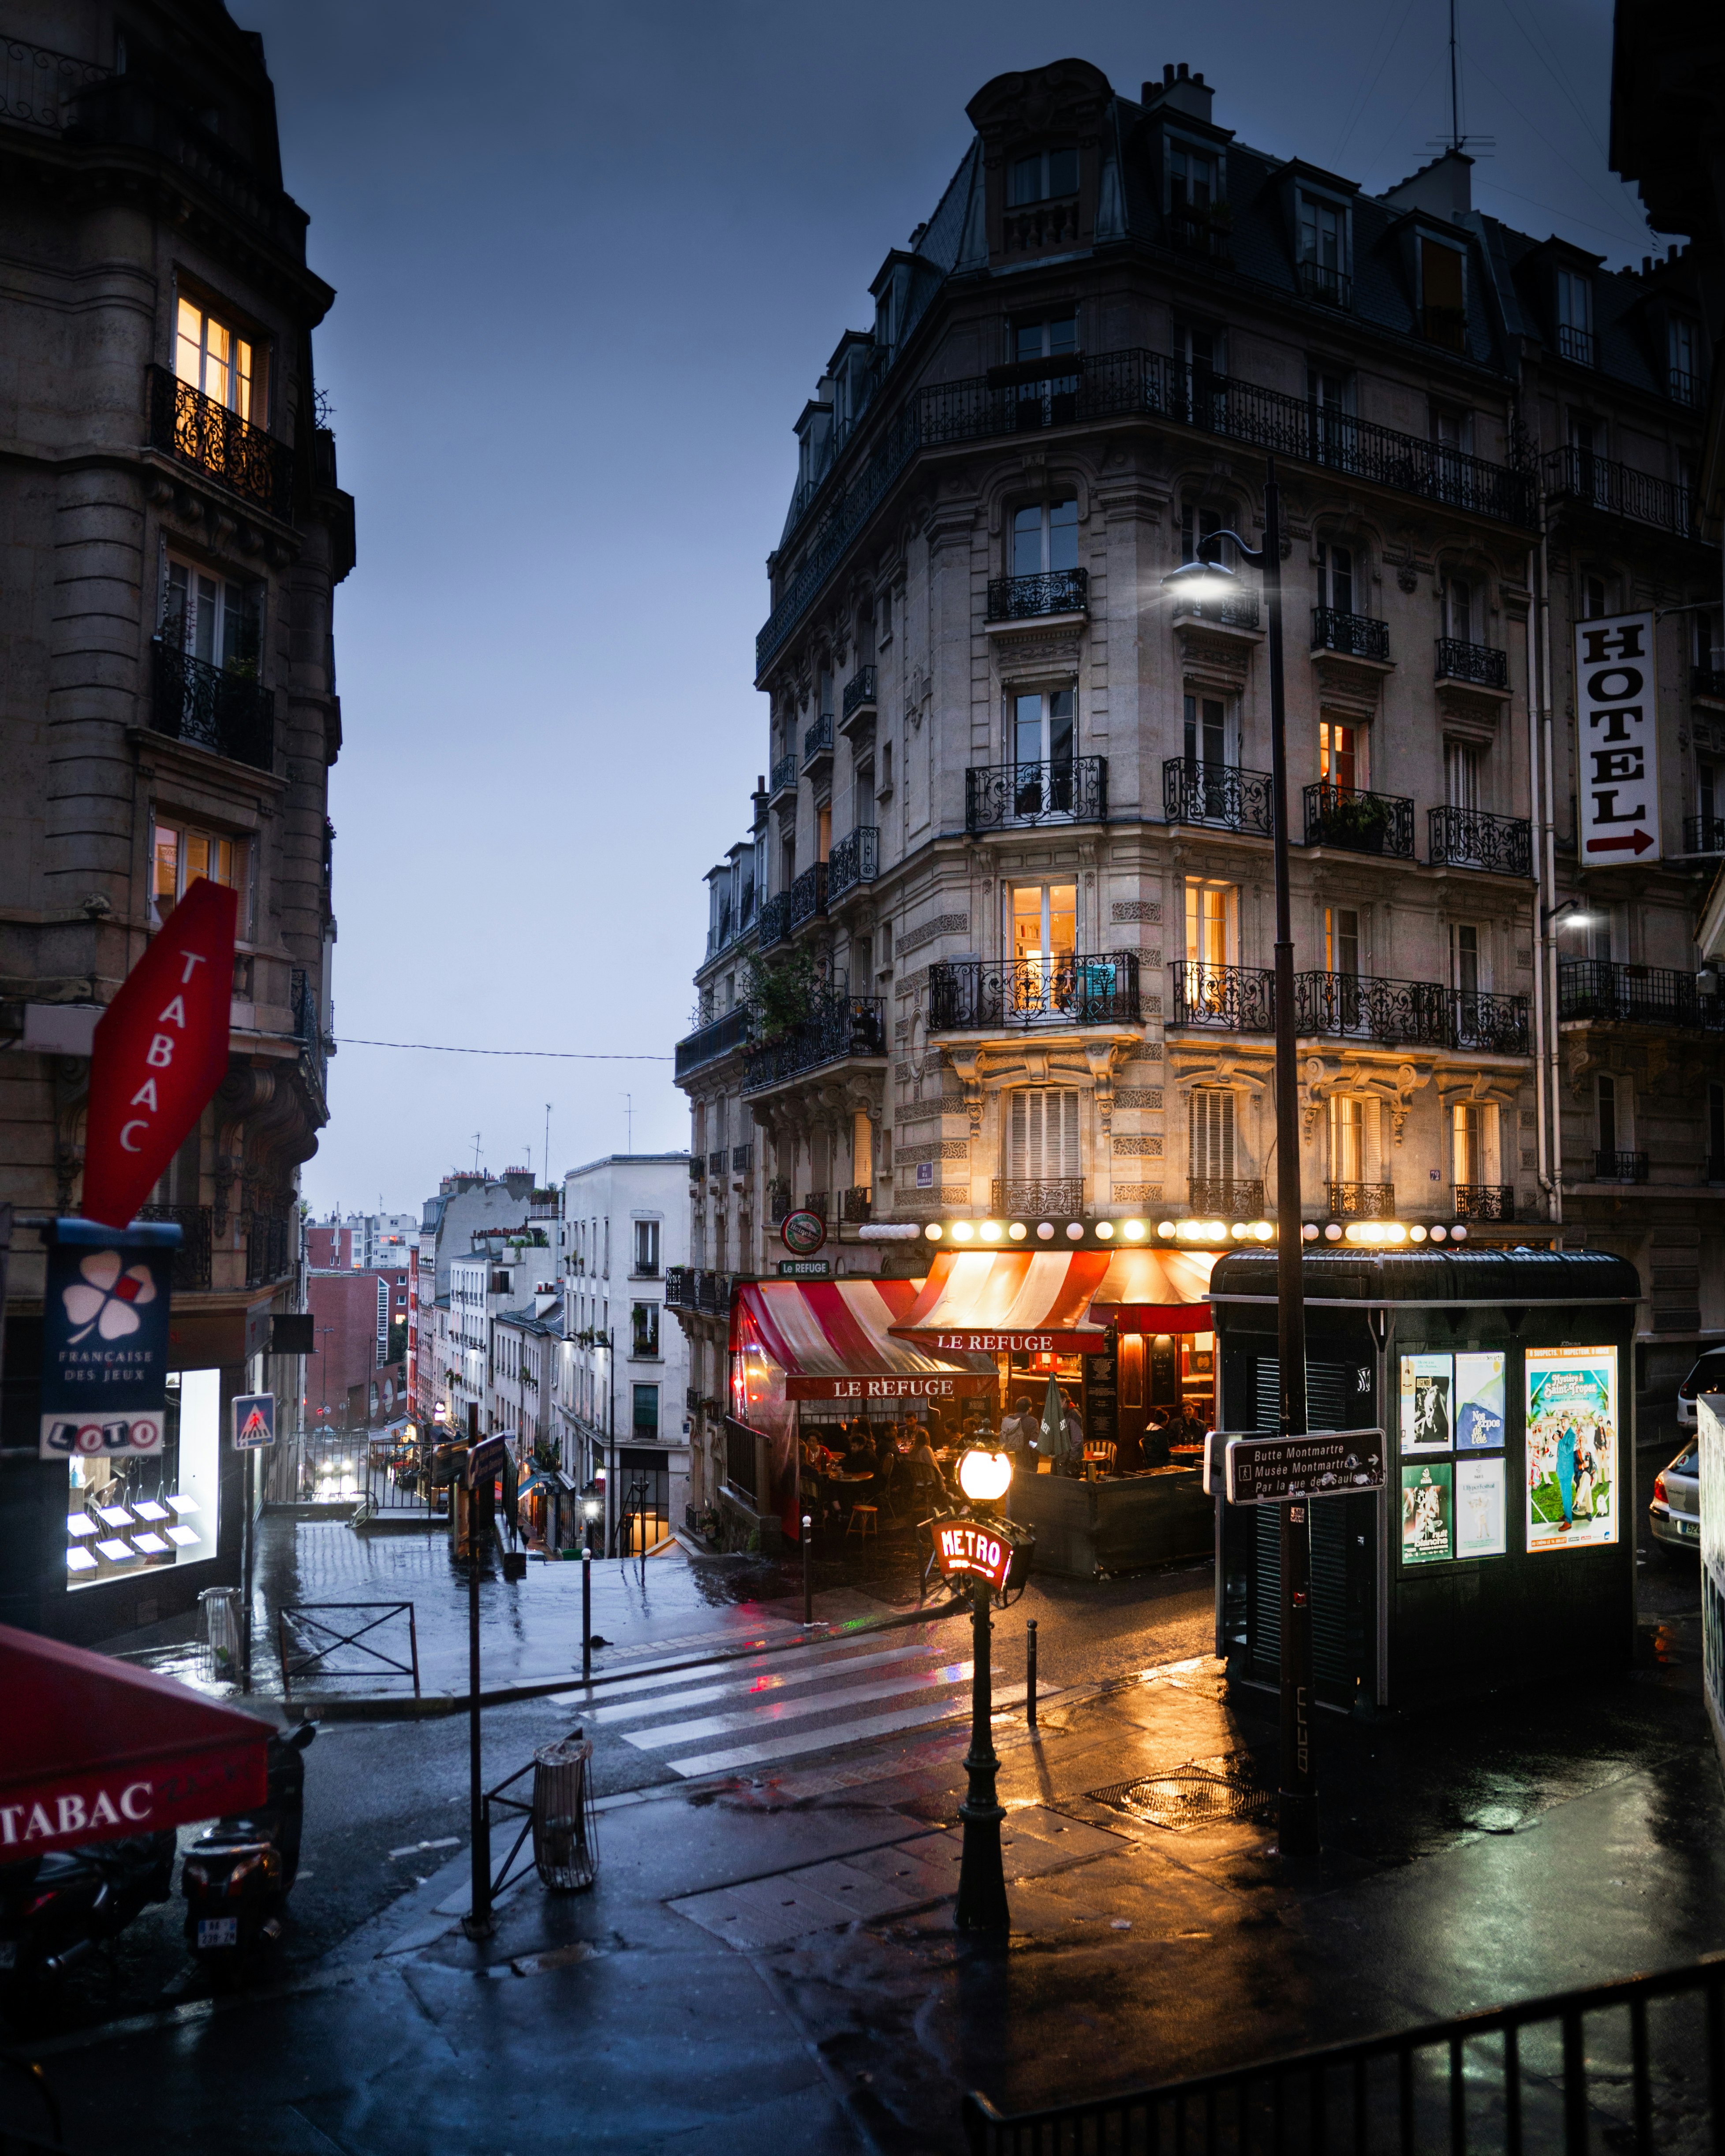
<point x="777" y="1706"/>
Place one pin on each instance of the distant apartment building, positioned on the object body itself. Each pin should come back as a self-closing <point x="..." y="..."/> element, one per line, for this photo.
<point x="361" y="1240"/>
<point x="357" y="1377"/>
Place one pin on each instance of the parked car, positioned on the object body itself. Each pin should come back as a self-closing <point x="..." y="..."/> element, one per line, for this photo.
<point x="1707" y="1376"/>
<point x="1675" y="1514"/>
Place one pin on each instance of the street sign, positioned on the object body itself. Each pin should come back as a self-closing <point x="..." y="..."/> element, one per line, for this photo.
<point x="1319" y="1463"/>
<point x="160" y="1052"/>
<point x="253" y="1421"/>
<point x="975" y="1546"/>
<point x="484" y="1461"/>
<point x="1618" y="728"/>
<point x="803" y="1232"/>
<point x="805" y="1267"/>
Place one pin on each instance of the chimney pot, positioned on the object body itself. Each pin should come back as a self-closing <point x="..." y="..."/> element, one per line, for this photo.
<point x="1182" y="71"/>
<point x="1197" y="78"/>
<point x="1671" y="253"/>
<point x="1167" y="71"/>
<point x="1646" y="265"/>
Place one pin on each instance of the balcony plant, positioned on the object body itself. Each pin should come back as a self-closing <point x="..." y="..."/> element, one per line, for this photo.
<point x="1359" y="820"/>
<point x="779" y="993"/>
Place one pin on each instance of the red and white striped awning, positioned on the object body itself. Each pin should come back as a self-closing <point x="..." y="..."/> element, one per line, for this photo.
<point x="833" y="1341"/>
<point x="985" y="1301"/>
<point x="1156" y="1291"/>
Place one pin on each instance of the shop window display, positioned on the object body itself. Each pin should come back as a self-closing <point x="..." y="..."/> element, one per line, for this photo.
<point x="131" y="1513"/>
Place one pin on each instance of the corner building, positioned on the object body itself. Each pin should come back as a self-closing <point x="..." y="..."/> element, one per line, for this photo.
<point x="1016" y="802"/>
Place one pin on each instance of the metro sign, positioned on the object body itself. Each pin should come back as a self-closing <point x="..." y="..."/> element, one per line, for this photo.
<point x="1618" y="728"/>
<point x="969" y="1545"/>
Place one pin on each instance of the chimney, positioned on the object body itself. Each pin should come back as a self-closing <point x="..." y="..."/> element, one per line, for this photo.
<point x="1444" y="187"/>
<point x="1180" y="90"/>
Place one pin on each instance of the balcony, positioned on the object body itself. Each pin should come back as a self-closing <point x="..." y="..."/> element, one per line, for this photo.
<point x="307" y="1030"/>
<point x="1072" y="789"/>
<point x="1578" y="477"/>
<point x="695" y="1169"/>
<point x="1238" y="614"/>
<point x="715" y="1161"/>
<point x="708" y="1043"/>
<point x="1359" y="822"/>
<point x="1040" y="228"/>
<point x="1478" y="664"/>
<point x="1366" y="1006"/>
<point x="270" y="1251"/>
<point x="858" y="696"/>
<point x="742" y="1158"/>
<point x="816" y="1202"/>
<point x="679" y="1287"/>
<point x="230" y="714"/>
<point x="1223" y="999"/>
<point x="1484" y="1201"/>
<point x="1360" y="1201"/>
<point x="1619" y="1167"/>
<point x="1708" y="681"/>
<point x="193" y="1259"/>
<point x="1491" y="1026"/>
<point x="1683" y="389"/>
<point x="1015" y="1199"/>
<point x="775" y="920"/>
<point x="1221" y="795"/>
<point x="186" y="424"/>
<point x="1208" y="233"/>
<point x="783" y="778"/>
<point x="1058" y="592"/>
<point x="854" y="861"/>
<point x="779" y="1202"/>
<point x="1704" y="834"/>
<point x="818" y="742"/>
<point x="973" y="995"/>
<point x="1215" y="1197"/>
<point x="1470" y="838"/>
<point x="39" y="87"/>
<point x="857" y="1205"/>
<point x="1576" y="344"/>
<point x="1354" y="635"/>
<point x="1601" y="988"/>
<point x="808" y="897"/>
<point x="837" y="1027"/>
<point x="1446" y="326"/>
<point x="1324" y="282"/>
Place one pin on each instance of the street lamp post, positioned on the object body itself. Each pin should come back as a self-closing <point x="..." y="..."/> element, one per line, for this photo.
<point x="1207" y="577"/>
<point x="981" y="1872"/>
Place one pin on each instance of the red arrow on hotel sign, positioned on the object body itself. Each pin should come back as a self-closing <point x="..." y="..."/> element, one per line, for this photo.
<point x="161" y="1050"/>
<point x="1636" y="841"/>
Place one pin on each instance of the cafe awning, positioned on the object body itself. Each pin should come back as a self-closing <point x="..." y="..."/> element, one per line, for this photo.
<point x="833" y="1341"/>
<point x="95" y="1750"/>
<point x="1156" y="1291"/>
<point x="985" y="1301"/>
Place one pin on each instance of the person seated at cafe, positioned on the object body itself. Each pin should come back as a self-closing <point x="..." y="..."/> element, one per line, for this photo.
<point x="926" y="1470"/>
<point x="1156" y="1438"/>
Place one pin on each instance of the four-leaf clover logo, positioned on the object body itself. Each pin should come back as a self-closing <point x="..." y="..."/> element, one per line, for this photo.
<point x="105" y="1301"/>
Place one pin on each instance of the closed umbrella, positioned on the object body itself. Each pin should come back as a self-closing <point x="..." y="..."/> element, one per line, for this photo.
<point x="1054" y="1423"/>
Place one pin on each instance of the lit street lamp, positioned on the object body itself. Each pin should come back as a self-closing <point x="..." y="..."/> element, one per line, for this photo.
<point x="983" y="1477"/>
<point x="1208" y="578"/>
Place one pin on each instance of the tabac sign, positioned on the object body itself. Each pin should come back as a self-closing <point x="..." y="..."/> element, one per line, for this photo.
<point x="1617" y="740"/>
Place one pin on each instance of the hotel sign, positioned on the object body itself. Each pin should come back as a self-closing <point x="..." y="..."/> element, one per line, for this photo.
<point x="1617" y="722"/>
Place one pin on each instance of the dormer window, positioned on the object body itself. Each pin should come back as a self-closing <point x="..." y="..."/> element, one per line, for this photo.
<point x="1041" y="177"/>
<point x="1323" y="264"/>
<point x="1443" y="303"/>
<point x="1193" y="177"/>
<point x="1683" y="374"/>
<point x="1575" y="317"/>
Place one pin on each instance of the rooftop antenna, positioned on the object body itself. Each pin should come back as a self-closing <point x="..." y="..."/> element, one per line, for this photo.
<point x="475" y="1152"/>
<point x="547" y="1145"/>
<point x="628" y="1122"/>
<point x="1458" y="142"/>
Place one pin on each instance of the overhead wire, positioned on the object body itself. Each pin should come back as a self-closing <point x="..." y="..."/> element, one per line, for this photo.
<point x="556" y="1054"/>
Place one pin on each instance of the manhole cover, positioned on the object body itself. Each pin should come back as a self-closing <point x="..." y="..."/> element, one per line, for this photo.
<point x="1190" y="1797"/>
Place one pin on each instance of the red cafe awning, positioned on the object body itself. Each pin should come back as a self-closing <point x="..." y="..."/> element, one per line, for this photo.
<point x="1156" y="1291"/>
<point x="94" y="1750"/>
<point x="833" y="1342"/>
<point x="989" y="1300"/>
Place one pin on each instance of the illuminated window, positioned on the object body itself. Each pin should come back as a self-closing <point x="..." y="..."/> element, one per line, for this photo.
<point x="183" y="853"/>
<point x="1474" y="1142"/>
<point x="1045" y="921"/>
<point x="1210" y="916"/>
<point x="214" y="358"/>
<point x="1340" y="754"/>
<point x="1347" y="1138"/>
<point x="1341" y="940"/>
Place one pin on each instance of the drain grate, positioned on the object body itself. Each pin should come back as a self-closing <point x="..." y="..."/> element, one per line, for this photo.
<point x="1200" y="1794"/>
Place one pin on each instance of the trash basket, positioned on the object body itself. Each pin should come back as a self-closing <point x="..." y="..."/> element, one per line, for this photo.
<point x="219" y="1607"/>
<point x="565" y="1825"/>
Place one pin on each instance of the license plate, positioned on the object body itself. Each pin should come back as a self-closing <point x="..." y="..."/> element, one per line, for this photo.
<point x="219" y="1931"/>
<point x="1689" y="1526"/>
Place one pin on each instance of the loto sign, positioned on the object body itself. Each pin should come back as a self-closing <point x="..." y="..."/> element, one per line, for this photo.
<point x="975" y="1548"/>
<point x="1617" y="725"/>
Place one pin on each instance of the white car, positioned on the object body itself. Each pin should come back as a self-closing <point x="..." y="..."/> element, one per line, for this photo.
<point x="1707" y="1376"/>
<point x="1675" y="1514"/>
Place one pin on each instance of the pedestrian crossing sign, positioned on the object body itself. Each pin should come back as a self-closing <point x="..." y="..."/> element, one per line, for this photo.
<point x="253" y="1421"/>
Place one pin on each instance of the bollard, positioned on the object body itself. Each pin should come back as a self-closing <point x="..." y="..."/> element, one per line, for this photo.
<point x="1030" y="1673"/>
<point x="586" y="1613"/>
<point x="808" y="1605"/>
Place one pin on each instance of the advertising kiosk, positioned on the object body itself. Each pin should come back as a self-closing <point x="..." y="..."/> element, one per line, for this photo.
<point x="1504" y="1543"/>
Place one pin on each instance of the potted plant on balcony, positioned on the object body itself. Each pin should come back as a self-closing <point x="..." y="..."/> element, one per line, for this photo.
<point x="779" y="993"/>
<point x="1358" y="821"/>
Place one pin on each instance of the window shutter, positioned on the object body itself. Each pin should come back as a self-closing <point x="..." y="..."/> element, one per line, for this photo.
<point x="1212" y="1129"/>
<point x="1044" y="1145"/>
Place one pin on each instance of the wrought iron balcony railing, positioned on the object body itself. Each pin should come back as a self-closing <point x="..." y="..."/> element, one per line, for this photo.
<point x="857" y="1204"/>
<point x="1576" y="344"/>
<point x="1226" y="1198"/>
<point x="818" y="740"/>
<point x="1484" y="1201"/>
<point x="679" y="1287"/>
<point x="779" y="1202"/>
<point x="775" y="918"/>
<point x="1323" y="280"/>
<point x="1704" y="834"/>
<point x="1495" y="1026"/>
<point x="837" y="1027"/>
<point x="269" y="1251"/>
<point x="854" y="860"/>
<point x="1226" y="613"/>
<point x="1708" y="681"/>
<point x="1619" y="1167"/>
<point x="193" y="1258"/>
<point x="39" y="87"/>
<point x="1578" y="475"/>
<point x="715" y="1161"/>
<point x="1684" y="388"/>
<point x="1480" y="663"/>
<point x="970" y="995"/>
<point x="1445" y="326"/>
<point x="186" y="424"/>
<point x="1206" y="232"/>
<point x="1470" y="838"/>
<point x="860" y="691"/>
<point x="1356" y="636"/>
<point x="232" y="714"/>
<point x="1024" y="599"/>
<point x="308" y="1030"/>
<point x="708" y="1043"/>
<point x="1362" y="823"/>
<point x="695" y="1167"/>
<point x="1367" y="1007"/>
<point x="1123" y="384"/>
<point x="816" y="1202"/>
<point x="1223" y="999"/>
<point x="1015" y="1198"/>
<point x="783" y="778"/>
<point x="807" y="897"/>
<point x="1222" y="795"/>
<point x="1071" y="789"/>
<point x="1361" y="1201"/>
<point x="742" y="1158"/>
<point x="1637" y="995"/>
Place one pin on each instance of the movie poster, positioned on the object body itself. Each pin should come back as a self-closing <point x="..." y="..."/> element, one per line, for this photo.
<point x="1427" y="1512"/>
<point x="1427" y="1381"/>
<point x="1481" y="1512"/>
<point x="1572" y="1447"/>
<point x="1480" y="1401"/>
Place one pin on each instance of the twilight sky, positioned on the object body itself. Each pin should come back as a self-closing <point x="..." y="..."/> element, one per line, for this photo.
<point x="589" y="261"/>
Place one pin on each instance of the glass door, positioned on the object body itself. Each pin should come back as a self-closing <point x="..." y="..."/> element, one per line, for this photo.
<point x="1043" y="739"/>
<point x="1044" y="944"/>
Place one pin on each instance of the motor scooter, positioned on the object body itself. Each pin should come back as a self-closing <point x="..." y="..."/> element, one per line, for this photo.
<point x="237" y="1873"/>
<point x="56" y="1907"/>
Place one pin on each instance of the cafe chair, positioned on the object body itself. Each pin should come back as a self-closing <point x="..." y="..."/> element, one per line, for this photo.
<point x="864" y="1521"/>
<point x="1099" y="1455"/>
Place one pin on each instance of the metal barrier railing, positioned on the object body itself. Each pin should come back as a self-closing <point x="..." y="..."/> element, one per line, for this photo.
<point x="306" y="1616"/>
<point x="346" y="1467"/>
